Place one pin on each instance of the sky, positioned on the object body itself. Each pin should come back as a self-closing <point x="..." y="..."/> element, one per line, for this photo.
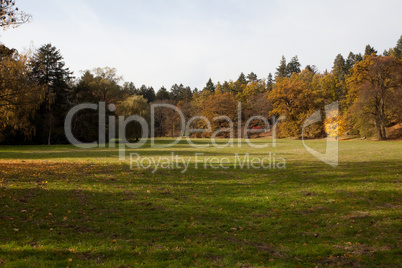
<point x="163" y="42"/>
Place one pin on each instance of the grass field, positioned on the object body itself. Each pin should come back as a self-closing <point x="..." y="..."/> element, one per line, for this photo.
<point x="62" y="206"/>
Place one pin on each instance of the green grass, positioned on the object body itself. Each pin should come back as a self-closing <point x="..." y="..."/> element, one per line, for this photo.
<point x="62" y="206"/>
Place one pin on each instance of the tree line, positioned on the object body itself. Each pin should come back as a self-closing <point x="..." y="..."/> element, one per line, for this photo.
<point x="37" y="90"/>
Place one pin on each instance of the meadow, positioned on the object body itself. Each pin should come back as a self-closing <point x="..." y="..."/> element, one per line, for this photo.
<point x="61" y="206"/>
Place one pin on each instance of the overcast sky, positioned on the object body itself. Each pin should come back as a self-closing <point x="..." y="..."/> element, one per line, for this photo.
<point x="162" y="42"/>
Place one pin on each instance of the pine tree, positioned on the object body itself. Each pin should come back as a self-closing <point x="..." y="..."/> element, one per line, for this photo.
<point x="339" y="69"/>
<point x="162" y="94"/>
<point x="270" y="82"/>
<point x="350" y="61"/>
<point x="398" y="49"/>
<point x="242" y="79"/>
<point x="48" y="69"/>
<point x="281" y="71"/>
<point x="369" y="50"/>
<point x="293" y="66"/>
<point x="210" y="87"/>
<point x="252" y="77"/>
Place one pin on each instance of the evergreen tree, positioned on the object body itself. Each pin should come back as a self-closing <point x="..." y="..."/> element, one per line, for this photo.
<point x="162" y="94"/>
<point x="398" y="49"/>
<point x="293" y="67"/>
<point x="210" y="87"/>
<point x="339" y="69"/>
<point x="350" y="61"/>
<point x="252" y="77"/>
<point x="130" y="89"/>
<point x="147" y="92"/>
<point x="270" y="82"/>
<point x="242" y="79"/>
<point x="48" y="69"/>
<point x="281" y="71"/>
<point x="369" y="50"/>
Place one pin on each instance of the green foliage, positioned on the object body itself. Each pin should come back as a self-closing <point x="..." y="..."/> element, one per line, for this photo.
<point x="48" y="69"/>
<point x="162" y="94"/>
<point x="210" y="86"/>
<point x="281" y="71"/>
<point x="369" y="50"/>
<point x="398" y="49"/>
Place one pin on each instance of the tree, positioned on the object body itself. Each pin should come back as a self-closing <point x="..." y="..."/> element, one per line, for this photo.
<point x="162" y="94"/>
<point x="339" y="69"/>
<point x="148" y="93"/>
<point x="252" y="77"/>
<point x="270" y="82"/>
<point x="210" y="86"/>
<point x="48" y="69"/>
<point x="130" y="88"/>
<point x="134" y="105"/>
<point x="98" y="85"/>
<point x="375" y="94"/>
<point x="242" y="79"/>
<point x="296" y="99"/>
<point x="293" y="66"/>
<point x="398" y="49"/>
<point x="282" y="70"/>
<point x="350" y="61"/>
<point x="369" y="50"/>
<point x="180" y="93"/>
<point x="221" y="104"/>
<point x="20" y="95"/>
<point x="10" y="16"/>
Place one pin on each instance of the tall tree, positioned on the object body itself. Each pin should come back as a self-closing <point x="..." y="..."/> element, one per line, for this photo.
<point x="10" y="16"/>
<point x="369" y="50"/>
<point x="134" y="105"/>
<point x="252" y="77"/>
<point x="148" y="93"/>
<point x="376" y="94"/>
<point x="162" y="94"/>
<point x="48" y="69"/>
<point x="130" y="88"/>
<point x="293" y="66"/>
<point x="282" y="70"/>
<point x="180" y="93"/>
<point x="210" y="86"/>
<point x="270" y="82"/>
<point x="339" y="69"/>
<point x="20" y="95"/>
<point x="398" y="49"/>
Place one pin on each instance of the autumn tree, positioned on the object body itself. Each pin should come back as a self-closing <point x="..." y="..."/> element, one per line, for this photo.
<point x="220" y="104"/>
<point x="375" y="94"/>
<point x="20" y="95"/>
<point x="10" y="16"/>
<point x="296" y="99"/>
